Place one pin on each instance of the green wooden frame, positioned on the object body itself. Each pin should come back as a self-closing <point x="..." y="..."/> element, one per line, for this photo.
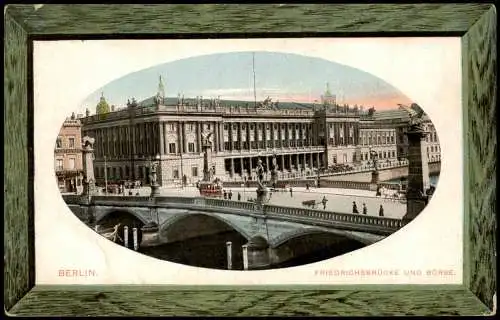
<point x="475" y="23"/>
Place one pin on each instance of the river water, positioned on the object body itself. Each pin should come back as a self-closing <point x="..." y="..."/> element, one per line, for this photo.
<point x="210" y="252"/>
<point x="433" y="178"/>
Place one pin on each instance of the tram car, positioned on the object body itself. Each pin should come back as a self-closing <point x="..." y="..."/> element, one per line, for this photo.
<point x="210" y="189"/>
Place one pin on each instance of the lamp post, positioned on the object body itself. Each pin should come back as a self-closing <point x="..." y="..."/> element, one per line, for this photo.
<point x="105" y="176"/>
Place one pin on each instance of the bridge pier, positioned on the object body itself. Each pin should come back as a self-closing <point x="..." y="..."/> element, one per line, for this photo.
<point x="258" y="254"/>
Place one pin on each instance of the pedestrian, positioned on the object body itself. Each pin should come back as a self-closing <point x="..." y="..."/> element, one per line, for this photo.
<point x="381" y="211"/>
<point x="225" y="194"/>
<point x="239" y="196"/>
<point x="137" y="194"/>
<point x="230" y="194"/>
<point x="365" y="210"/>
<point x="130" y="192"/>
<point x="324" y="201"/>
<point x="307" y="186"/>
<point x="291" y="192"/>
<point x="354" y="207"/>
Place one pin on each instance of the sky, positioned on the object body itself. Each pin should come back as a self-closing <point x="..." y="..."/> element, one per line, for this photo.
<point x="281" y="76"/>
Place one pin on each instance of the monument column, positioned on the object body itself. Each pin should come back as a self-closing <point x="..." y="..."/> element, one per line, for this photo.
<point x="418" y="173"/>
<point x="88" y="165"/>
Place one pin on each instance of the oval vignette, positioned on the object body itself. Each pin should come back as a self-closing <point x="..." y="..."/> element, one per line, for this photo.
<point x="247" y="160"/>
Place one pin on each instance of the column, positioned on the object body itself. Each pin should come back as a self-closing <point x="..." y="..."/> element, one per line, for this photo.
<point x="179" y="137"/>
<point x="317" y="160"/>
<point x="240" y="135"/>
<point x="248" y="137"/>
<point x="221" y="136"/>
<point x="162" y="138"/>
<point x="282" y="162"/>
<point x="230" y="135"/>
<point x="267" y="164"/>
<point x="250" y="166"/>
<point x="232" y="167"/>
<point x="198" y="137"/>
<point x="242" y="167"/>
<point x="272" y="135"/>
<point x="216" y="136"/>
<point x="298" y="161"/>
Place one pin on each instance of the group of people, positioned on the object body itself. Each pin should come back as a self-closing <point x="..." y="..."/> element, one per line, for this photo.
<point x="365" y="210"/>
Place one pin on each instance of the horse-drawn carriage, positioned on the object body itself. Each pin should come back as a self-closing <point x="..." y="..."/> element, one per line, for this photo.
<point x="312" y="204"/>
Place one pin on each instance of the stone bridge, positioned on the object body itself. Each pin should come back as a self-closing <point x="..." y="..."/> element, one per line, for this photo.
<point x="385" y="174"/>
<point x="182" y="218"/>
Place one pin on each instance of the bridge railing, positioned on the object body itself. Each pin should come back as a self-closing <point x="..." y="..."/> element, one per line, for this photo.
<point x="166" y="199"/>
<point x="230" y="204"/>
<point x="382" y="222"/>
<point x="119" y="199"/>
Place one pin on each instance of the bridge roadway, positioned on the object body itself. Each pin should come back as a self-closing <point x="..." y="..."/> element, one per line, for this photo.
<point x="339" y="200"/>
<point x="182" y="218"/>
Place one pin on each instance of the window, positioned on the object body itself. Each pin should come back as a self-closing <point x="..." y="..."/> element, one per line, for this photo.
<point x="252" y="127"/>
<point x="235" y="126"/>
<point x="171" y="127"/>
<point x="208" y="126"/>
<point x="191" y="127"/>
<point x="191" y="147"/>
<point x="171" y="147"/>
<point x="275" y="126"/>
<point x="59" y="164"/>
<point x="71" y="142"/>
<point x="243" y="127"/>
<point x="194" y="171"/>
<point x="59" y="142"/>
<point x="226" y="126"/>
<point x="175" y="173"/>
<point x="71" y="163"/>
<point x="331" y="142"/>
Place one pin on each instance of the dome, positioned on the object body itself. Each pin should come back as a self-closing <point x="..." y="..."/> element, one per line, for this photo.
<point x="102" y="106"/>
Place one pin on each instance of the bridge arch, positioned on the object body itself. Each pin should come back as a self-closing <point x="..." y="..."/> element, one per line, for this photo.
<point x="312" y="245"/>
<point x="301" y="232"/>
<point x="114" y="211"/>
<point x="198" y="224"/>
<point x="125" y="218"/>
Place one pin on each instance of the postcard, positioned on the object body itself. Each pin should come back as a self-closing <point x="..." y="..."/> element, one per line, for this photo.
<point x="306" y="161"/>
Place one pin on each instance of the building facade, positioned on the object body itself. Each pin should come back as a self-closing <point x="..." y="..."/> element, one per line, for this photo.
<point x="68" y="156"/>
<point x="304" y="138"/>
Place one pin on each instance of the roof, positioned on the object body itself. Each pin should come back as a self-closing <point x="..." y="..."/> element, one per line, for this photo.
<point x="226" y="103"/>
<point x="391" y="114"/>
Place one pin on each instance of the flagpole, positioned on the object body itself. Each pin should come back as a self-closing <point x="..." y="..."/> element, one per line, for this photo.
<point x="253" y="69"/>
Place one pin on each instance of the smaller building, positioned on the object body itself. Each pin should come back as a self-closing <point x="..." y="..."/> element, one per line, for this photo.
<point x="68" y="156"/>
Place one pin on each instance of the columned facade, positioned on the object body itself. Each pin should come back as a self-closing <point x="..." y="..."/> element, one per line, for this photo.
<point x="303" y="140"/>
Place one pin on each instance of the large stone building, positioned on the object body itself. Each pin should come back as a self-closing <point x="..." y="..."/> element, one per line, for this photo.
<point x="68" y="156"/>
<point x="303" y="136"/>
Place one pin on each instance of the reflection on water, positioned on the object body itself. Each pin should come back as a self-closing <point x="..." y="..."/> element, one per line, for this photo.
<point x="210" y="251"/>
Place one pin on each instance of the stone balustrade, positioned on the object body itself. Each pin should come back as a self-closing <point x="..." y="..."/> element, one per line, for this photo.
<point x="328" y="218"/>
